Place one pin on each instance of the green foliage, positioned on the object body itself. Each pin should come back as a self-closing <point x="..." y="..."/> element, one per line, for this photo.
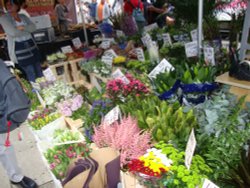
<point x="224" y="131"/>
<point x="182" y="176"/>
<point x="167" y="121"/>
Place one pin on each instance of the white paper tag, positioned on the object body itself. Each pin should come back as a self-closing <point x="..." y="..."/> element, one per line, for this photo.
<point x="119" y="75"/>
<point x="191" y="49"/>
<point x="182" y="38"/>
<point x="167" y="39"/>
<point x="163" y="66"/>
<point x="110" y="53"/>
<point x="146" y="40"/>
<point x="209" y="55"/>
<point x="140" y="54"/>
<point x="208" y="184"/>
<point x="119" y="33"/>
<point x="67" y="49"/>
<point x="150" y="27"/>
<point x="107" y="60"/>
<point x="190" y="148"/>
<point x="42" y="102"/>
<point x="77" y="42"/>
<point x="49" y="75"/>
<point x="105" y="44"/>
<point x="194" y="34"/>
<point x="94" y="81"/>
<point x="112" y="115"/>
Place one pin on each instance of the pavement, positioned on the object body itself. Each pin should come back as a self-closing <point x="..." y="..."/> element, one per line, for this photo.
<point x="29" y="159"/>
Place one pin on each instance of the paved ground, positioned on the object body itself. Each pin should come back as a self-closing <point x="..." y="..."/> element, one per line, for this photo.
<point x="29" y="159"/>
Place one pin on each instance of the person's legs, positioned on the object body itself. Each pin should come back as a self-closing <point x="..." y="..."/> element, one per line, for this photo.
<point x="30" y="72"/>
<point x="9" y="162"/>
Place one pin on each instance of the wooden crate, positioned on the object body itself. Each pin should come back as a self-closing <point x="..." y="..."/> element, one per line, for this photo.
<point x="65" y="76"/>
<point x="75" y="71"/>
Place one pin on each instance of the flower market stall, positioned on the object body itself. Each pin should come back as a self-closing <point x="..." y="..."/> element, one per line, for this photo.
<point x="140" y="109"/>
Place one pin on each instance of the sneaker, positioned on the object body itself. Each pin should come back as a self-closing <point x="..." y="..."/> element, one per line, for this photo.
<point x="26" y="183"/>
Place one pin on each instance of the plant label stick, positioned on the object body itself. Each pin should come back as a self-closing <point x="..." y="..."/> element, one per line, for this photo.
<point x="140" y="54"/>
<point x="112" y="115"/>
<point x="119" y="75"/>
<point x="190" y="148"/>
<point x="191" y="49"/>
<point x="67" y="49"/>
<point x="77" y="43"/>
<point x="167" y="39"/>
<point x="209" y="55"/>
<point x="163" y="66"/>
<point x="208" y="184"/>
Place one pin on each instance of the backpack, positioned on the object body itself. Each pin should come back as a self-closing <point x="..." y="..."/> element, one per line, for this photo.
<point x="137" y="14"/>
<point x="14" y="101"/>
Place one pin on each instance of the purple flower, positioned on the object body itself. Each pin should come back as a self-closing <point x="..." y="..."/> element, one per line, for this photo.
<point x="52" y="166"/>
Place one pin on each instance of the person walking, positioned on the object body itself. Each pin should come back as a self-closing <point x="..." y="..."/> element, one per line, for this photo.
<point x="22" y="48"/>
<point x="102" y="11"/>
<point x="14" y="109"/>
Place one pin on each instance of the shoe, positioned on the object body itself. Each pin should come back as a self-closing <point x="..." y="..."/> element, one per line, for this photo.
<point x="26" y="183"/>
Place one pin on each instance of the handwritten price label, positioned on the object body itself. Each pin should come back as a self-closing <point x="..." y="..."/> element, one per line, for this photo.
<point x="67" y="49"/>
<point x="140" y="54"/>
<point x="190" y="148"/>
<point x="150" y="27"/>
<point x="191" y="49"/>
<point x="110" y="53"/>
<point x="77" y="42"/>
<point x="107" y="60"/>
<point x="119" y="75"/>
<point x="208" y="184"/>
<point x="146" y="40"/>
<point x="209" y="55"/>
<point x="112" y="115"/>
<point x="105" y="44"/>
<point x="167" y="39"/>
<point x="163" y="66"/>
<point x="48" y="74"/>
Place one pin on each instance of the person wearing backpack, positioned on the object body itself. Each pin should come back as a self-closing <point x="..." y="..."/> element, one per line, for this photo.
<point x="14" y="109"/>
<point x="135" y="8"/>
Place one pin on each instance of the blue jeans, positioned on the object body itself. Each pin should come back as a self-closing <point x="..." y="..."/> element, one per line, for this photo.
<point x="33" y="71"/>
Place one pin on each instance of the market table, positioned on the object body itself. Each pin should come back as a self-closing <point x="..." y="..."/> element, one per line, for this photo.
<point x="238" y="87"/>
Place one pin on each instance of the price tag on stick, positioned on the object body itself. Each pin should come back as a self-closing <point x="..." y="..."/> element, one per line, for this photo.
<point x="107" y="60"/>
<point x="209" y="55"/>
<point x="190" y="148"/>
<point x="167" y="39"/>
<point x="208" y="184"/>
<point x="191" y="49"/>
<point x="119" y="75"/>
<point x="77" y="42"/>
<point x="140" y="54"/>
<point x="112" y="115"/>
<point x="163" y="66"/>
<point x="67" y="49"/>
<point x="49" y="75"/>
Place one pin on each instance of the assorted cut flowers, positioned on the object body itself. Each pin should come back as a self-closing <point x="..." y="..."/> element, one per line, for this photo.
<point x="60" y="157"/>
<point x="42" y="118"/>
<point x="117" y="89"/>
<point x="69" y="106"/>
<point x="153" y="163"/>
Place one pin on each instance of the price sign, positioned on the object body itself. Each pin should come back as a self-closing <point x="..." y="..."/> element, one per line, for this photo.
<point x="209" y="55"/>
<point x="182" y="38"/>
<point x="194" y="35"/>
<point x="119" y="33"/>
<point x="150" y="27"/>
<point x="190" y="148"/>
<point x="67" y="49"/>
<point x="163" y="66"/>
<point x="146" y="40"/>
<point x="208" y="184"/>
<point x="112" y="116"/>
<point x="140" y="54"/>
<point x="119" y="75"/>
<point x="105" y="44"/>
<point x="48" y="74"/>
<point x="191" y="49"/>
<point x="167" y="39"/>
<point x="110" y="53"/>
<point x="77" y="42"/>
<point x="107" y="60"/>
<point x="95" y="82"/>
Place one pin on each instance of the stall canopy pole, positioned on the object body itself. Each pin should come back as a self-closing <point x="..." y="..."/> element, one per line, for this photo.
<point x="84" y="26"/>
<point x="200" y="18"/>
